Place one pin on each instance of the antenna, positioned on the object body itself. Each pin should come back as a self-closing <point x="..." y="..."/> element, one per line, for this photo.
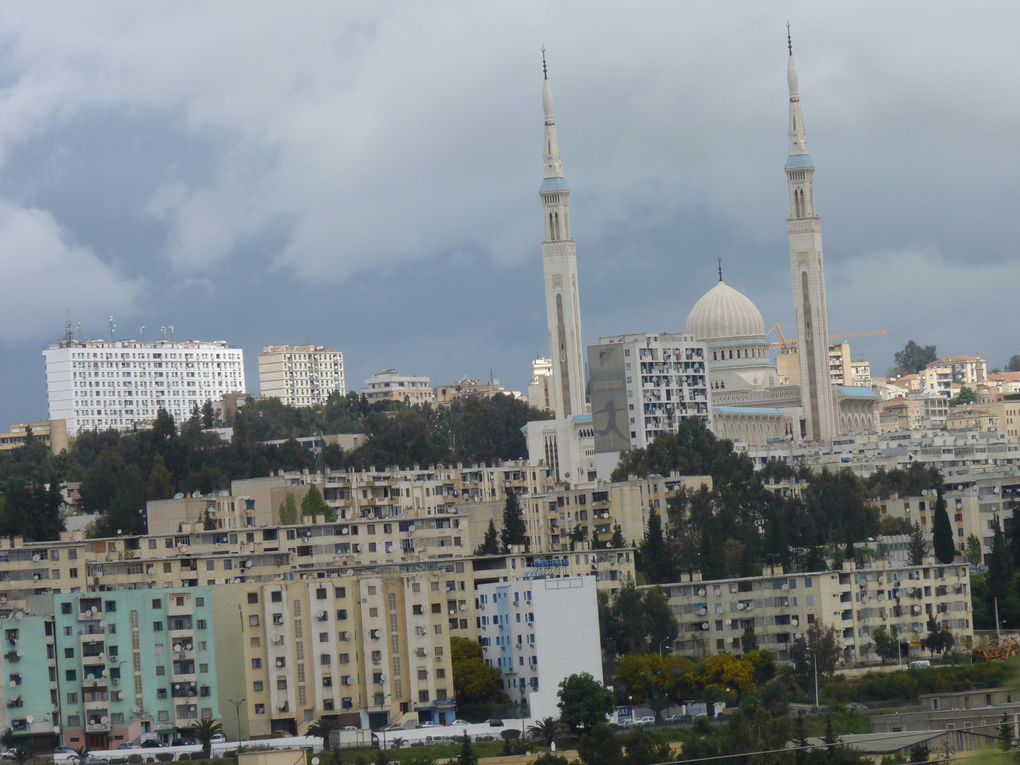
<point x="141" y="332"/>
<point x="68" y="336"/>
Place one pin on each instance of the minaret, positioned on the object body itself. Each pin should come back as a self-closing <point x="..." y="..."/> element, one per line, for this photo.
<point x="559" y="261"/>
<point x="804" y="230"/>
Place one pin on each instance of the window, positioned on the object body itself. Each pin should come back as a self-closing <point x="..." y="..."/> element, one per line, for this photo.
<point x="70" y="675"/>
<point x="323" y="637"/>
<point x="110" y="606"/>
<point x="256" y="663"/>
<point x="65" y="608"/>
<point x="253" y="620"/>
<point x="340" y="592"/>
<point x="258" y="686"/>
<point x="200" y="624"/>
<point x="72" y="698"/>
<point x="260" y="709"/>
<point x="157" y="626"/>
<point x="325" y="659"/>
<point x="68" y="653"/>
<point x="199" y="602"/>
<point x="276" y="597"/>
<point x="281" y="684"/>
<point x="160" y="671"/>
<point x="157" y="603"/>
<point x="253" y="597"/>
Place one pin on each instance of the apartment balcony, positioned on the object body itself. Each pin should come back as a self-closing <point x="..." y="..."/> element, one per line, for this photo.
<point x="97" y="723"/>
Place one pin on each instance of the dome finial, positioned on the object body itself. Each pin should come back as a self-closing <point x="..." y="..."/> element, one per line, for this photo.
<point x="789" y="40"/>
<point x="719" y="261"/>
<point x="545" y="68"/>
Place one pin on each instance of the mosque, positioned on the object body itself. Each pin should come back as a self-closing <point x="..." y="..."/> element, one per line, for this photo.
<point x="723" y="355"/>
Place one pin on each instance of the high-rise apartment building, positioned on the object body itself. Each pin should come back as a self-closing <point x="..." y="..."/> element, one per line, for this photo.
<point x="100" y="384"/>
<point x="537" y="632"/>
<point x="300" y="375"/>
<point x="642" y="386"/>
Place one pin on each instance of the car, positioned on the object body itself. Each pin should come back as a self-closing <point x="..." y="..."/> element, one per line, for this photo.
<point x="152" y="743"/>
<point x="460" y="722"/>
<point x="129" y="745"/>
<point x="428" y="724"/>
<point x="495" y="722"/>
<point x="853" y="706"/>
<point x="646" y="720"/>
<point x="393" y="726"/>
<point x="217" y="738"/>
<point x="64" y="750"/>
<point x="677" y="717"/>
<point x="9" y="754"/>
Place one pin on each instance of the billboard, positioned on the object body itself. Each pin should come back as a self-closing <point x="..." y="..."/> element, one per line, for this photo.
<point x="608" y="383"/>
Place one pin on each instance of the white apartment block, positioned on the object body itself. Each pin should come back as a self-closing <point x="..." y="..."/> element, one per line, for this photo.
<point x="390" y="385"/>
<point x="300" y="375"/>
<point x="643" y="385"/>
<point x="780" y="607"/>
<point x="537" y="632"/>
<point x="860" y="373"/>
<point x="100" y="384"/>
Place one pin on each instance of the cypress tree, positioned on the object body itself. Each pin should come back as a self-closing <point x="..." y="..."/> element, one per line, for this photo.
<point x="515" y="531"/>
<point x="656" y="557"/>
<point x="490" y="545"/>
<point x="942" y="532"/>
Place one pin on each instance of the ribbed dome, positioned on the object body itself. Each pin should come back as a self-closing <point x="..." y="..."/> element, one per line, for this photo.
<point x="724" y="313"/>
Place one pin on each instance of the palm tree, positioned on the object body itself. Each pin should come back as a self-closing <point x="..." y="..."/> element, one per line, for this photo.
<point x="203" y="731"/>
<point x="396" y="743"/>
<point x="545" y="730"/>
<point x="322" y="728"/>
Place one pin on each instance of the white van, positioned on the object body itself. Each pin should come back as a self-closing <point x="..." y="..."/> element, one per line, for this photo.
<point x="919" y="664"/>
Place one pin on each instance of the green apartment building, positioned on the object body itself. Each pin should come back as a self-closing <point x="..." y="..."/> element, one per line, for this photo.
<point x="134" y="664"/>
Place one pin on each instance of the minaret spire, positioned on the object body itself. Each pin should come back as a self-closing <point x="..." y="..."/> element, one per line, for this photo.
<point x="807" y="272"/>
<point x="553" y="163"/>
<point x="560" y="265"/>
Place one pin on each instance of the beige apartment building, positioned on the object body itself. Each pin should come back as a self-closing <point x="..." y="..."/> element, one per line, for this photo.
<point x="390" y="385"/>
<point x="840" y="363"/>
<point x="300" y="375"/>
<point x="779" y="608"/>
<point x="913" y="412"/>
<point x="52" y="433"/>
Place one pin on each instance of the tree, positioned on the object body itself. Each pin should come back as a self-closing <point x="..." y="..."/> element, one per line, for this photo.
<point x="515" y="531"/>
<point x="545" y="730"/>
<point x="208" y="414"/>
<point x="490" y="545"/>
<point x="749" y="640"/>
<point x="938" y="640"/>
<point x="584" y="702"/>
<point x="965" y="396"/>
<point x="819" y="644"/>
<point x="919" y="755"/>
<point x="914" y="357"/>
<point x="656" y="559"/>
<point x="800" y="739"/>
<point x="313" y="504"/>
<point x="973" y="553"/>
<point x="917" y="548"/>
<point x="466" y="755"/>
<point x="1013" y="365"/>
<point x="600" y="746"/>
<point x="722" y="676"/>
<point x="942" y="532"/>
<point x="1000" y="575"/>
<point x="203" y="731"/>
<point x="886" y="646"/>
<point x="474" y="681"/>
<point x="288" y="511"/>
<point x="30" y="509"/>
<point x="649" y="677"/>
<point x="160" y="482"/>
<point x="617" y="541"/>
<point x="1005" y="734"/>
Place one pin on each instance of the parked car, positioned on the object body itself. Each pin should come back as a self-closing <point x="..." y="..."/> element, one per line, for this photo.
<point x="393" y="726"/>
<point x="129" y="745"/>
<point x="676" y="717"/>
<point x="646" y="720"/>
<point x="9" y="754"/>
<point x="218" y="738"/>
<point x="460" y="722"/>
<point x="152" y="743"/>
<point x="428" y="724"/>
<point x="495" y="722"/>
<point x="64" y="750"/>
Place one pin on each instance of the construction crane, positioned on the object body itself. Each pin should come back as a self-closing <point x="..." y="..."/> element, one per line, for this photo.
<point x="785" y="343"/>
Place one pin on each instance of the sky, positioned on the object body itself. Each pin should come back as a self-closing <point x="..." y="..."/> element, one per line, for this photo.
<point x="365" y="176"/>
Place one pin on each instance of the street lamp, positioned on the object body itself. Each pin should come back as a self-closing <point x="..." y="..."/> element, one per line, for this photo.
<point x="662" y="643"/>
<point x="814" y="657"/>
<point x="237" y="712"/>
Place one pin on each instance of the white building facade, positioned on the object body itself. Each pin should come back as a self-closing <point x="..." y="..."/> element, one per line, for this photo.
<point x="300" y="375"/>
<point x="100" y="384"/>
<point x="537" y="632"/>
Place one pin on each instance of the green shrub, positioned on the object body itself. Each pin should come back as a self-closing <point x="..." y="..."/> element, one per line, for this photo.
<point x="134" y="759"/>
<point x="164" y="756"/>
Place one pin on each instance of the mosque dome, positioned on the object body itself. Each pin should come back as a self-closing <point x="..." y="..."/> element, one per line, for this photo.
<point x="724" y="313"/>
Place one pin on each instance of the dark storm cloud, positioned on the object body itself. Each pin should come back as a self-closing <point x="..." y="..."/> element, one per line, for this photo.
<point x="365" y="176"/>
